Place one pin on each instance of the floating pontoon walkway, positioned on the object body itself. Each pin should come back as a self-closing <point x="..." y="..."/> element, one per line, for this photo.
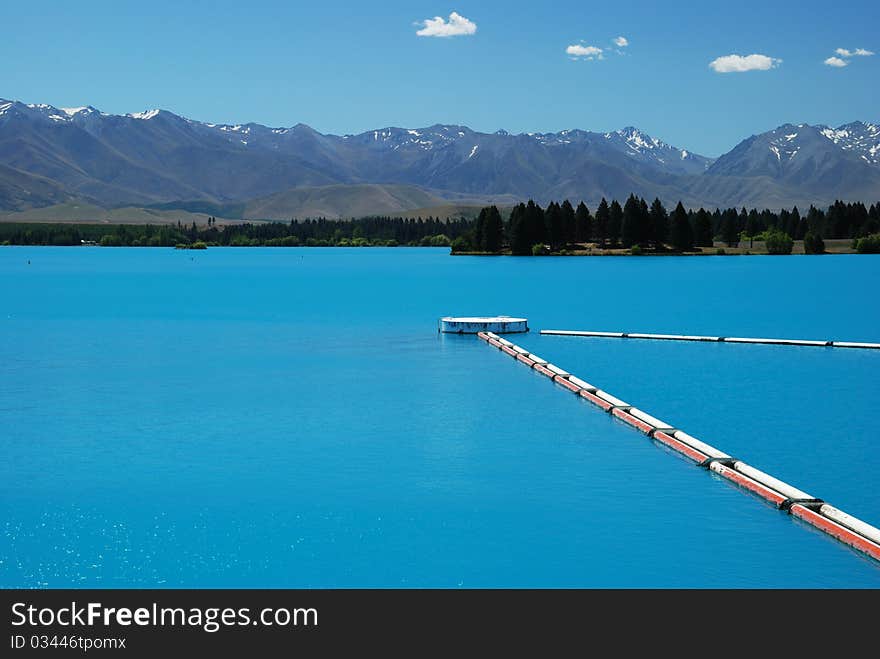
<point x="724" y="339"/>
<point x="816" y="512"/>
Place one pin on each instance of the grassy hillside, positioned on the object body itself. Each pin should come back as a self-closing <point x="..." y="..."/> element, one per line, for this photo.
<point x="88" y="214"/>
<point x="340" y="201"/>
<point x="20" y="190"/>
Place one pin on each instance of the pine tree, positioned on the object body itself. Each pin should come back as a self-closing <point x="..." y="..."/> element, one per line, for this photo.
<point x="752" y="226"/>
<point x="583" y="224"/>
<point x="837" y="221"/>
<point x="659" y="222"/>
<point x="615" y="222"/>
<point x="520" y="240"/>
<point x="859" y="220"/>
<point x="703" y="229"/>
<point x="794" y="221"/>
<point x="554" y="223"/>
<point x="784" y="221"/>
<point x="646" y="230"/>
<point x="681" y="233"/>
<point x="629" y="233"/>
<point x="568" y="222"/>
<point x="603" y="219"/>
<point x="873" y="224"/>
<point x="480" y="231"/>
<point x="493" y="230"/>
<point x="716" y="222"/>
<point x="534" y="221"/>
<point x="730" y="228"/>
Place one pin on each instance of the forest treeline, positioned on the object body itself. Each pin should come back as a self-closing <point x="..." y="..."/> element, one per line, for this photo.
<point x="528" y="229"/>
<point x="637" y="226"/>
<point x="368" y="231"/>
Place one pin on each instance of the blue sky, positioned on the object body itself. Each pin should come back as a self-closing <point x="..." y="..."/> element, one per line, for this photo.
<point x="346" y="67"/>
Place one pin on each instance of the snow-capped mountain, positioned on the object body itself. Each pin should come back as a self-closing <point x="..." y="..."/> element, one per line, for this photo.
<point x="638" y="144"/>
<point x="49" y="154"/>
<point x="829" y="162"/>
<point x="858" y="137"/>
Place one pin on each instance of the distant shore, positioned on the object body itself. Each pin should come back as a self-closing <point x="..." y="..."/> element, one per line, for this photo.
<point x="456" y="235"/>
<point x="757" y="248"/>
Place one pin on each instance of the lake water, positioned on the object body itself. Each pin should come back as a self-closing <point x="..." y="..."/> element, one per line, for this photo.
<point x="291" y="418"/>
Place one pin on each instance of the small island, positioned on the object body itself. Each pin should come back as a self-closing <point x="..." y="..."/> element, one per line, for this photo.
<point x="637" y="229"/>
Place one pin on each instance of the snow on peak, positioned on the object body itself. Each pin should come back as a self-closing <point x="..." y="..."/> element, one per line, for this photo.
<point x="637" y="140"/>
<point x="73" y="111"/>
<point x="473" y="151"/>
<point x="684" y="154"/>
<point x="835" y="135"/>
<point x="145" y="116"/>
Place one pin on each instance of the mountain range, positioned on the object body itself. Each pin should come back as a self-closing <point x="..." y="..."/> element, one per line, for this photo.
<point x="157" y="159"/>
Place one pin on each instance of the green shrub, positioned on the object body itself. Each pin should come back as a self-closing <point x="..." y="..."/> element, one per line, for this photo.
<point x="778" y="242"/>
<point x="240" y="240"/>
<point x="538" y="250"/>
<point x="110" y="240"/>
<point x="636" y="250"/>
<point x="287" y="241"/>
<point x="720" y="251"/>
<point x="440" y="240"/>
<point x="813" y="244"/>
<point x="868" y="244"/>
<point x="198" y="245"/>
<point x="461" y="244"/>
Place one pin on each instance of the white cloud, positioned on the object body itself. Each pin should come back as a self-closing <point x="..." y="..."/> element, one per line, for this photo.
<point x="621" y="42"/>
<point x="457" y="25"/>
<point x="858" y="52"/>
<point x="588" y="52"/>
<point x="846" y="53"/>
<point x="740" y="64"/>
<point x="836" y="61"/>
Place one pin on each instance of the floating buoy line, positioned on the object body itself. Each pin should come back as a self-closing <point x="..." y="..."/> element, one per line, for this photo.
<point x="812" y="510"/>
<point x="719" y="339"/>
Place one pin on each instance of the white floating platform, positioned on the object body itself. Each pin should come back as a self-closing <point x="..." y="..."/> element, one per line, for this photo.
<point x="475" y="324"/>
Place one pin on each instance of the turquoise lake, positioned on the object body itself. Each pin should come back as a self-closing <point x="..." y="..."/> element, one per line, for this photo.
<point x="292" y="418"/>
